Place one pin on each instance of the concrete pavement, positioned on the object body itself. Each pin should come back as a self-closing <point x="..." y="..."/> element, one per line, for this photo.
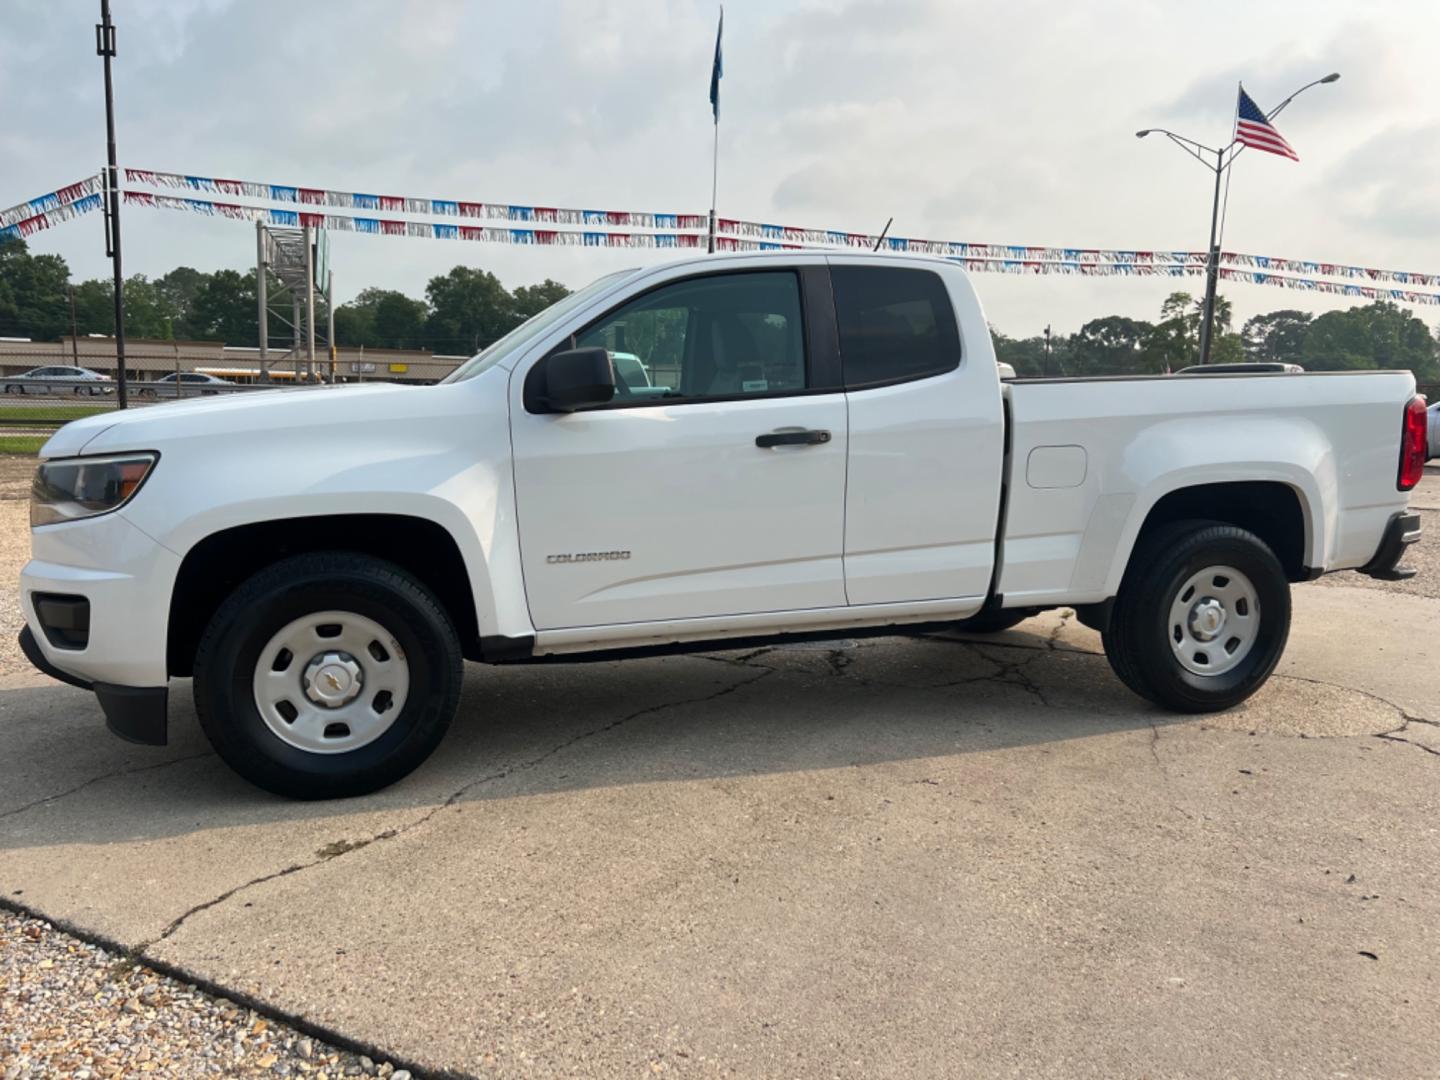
<point x="907" y="858"/>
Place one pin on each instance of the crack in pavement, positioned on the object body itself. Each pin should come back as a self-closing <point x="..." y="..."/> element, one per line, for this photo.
<point x="104" y="776"/>
<point x="1394" y="734"/>
<point x="1390" y="736"/>
<point x="340" y="850"/>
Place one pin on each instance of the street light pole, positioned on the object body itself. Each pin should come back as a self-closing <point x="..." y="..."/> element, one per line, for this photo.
<point x="1201" y="153"/>
<point x="1212" y="266"/>
<point x="105" y="47"/>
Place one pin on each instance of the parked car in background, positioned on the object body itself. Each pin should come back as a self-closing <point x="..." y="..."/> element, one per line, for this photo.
<point x="183" y="384"/>
<point x="59" y="380"/>
<point x="1248" y="367"/>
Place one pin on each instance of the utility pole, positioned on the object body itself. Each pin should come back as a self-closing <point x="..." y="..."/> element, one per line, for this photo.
<point x="295" y="331"/>
<point x="309" y="305"/>
<point x="105" y="47"/>
<point x="1046" y="364"/>
<point x="74" y="333"/>
<point x="263" y="298"/>
<point x="330" y="319"/>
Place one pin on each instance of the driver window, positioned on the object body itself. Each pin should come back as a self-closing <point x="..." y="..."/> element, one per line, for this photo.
<point x="726" y="335"/>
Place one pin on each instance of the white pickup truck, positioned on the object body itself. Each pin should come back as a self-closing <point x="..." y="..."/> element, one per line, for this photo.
<point x="806" y="443"/>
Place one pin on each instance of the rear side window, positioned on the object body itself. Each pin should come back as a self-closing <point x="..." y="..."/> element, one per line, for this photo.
<point x="896" y="324"/>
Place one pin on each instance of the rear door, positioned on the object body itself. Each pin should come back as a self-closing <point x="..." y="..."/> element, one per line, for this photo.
<point x="714" y="485"/>
<point x="926" y="435"/>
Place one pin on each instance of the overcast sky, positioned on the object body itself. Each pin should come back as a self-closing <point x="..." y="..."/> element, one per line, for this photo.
<point x="1005" y="122"/>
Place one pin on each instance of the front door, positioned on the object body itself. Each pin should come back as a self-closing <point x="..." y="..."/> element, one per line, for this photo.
<point x="662" y="505"/>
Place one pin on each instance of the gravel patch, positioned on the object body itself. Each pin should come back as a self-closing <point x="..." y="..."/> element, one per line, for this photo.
<point x="1423" y="556"/>
<point x="15" y="476"/>
<point x="71" y="1009"/>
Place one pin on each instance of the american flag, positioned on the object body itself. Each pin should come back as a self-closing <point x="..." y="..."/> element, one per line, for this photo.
<point x="1253" y="128"/>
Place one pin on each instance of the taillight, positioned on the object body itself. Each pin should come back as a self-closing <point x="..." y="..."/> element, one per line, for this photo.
<point x="1412" y="445"/>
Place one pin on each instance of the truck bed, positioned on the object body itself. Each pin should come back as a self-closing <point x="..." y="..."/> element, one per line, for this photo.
<point x="1088" y="457"/>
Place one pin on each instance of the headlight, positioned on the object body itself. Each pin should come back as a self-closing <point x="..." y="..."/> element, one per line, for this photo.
<point x="70" y="488"/>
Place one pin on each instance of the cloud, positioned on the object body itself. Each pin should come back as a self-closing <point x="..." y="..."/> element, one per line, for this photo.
<point x="1391" y="182"/>
<point x="1003" y="122"/>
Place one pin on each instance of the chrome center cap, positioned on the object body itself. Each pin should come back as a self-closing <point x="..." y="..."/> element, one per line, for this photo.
<point x="1207" y="619"/>
<point x="333" y="679"/>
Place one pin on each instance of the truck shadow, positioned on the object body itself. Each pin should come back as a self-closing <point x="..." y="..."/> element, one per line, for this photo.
<point x="547" y="728"/>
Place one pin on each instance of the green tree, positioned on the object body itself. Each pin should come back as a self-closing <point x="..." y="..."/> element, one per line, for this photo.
<point x="382" y="318"/>
<point x="1378" y="335"/>
<point x="1277" y="336"/>
<point x="148" y="313"/>
<point x="1175" y="342"/>
<point x="178" y="290"/>
<point x="1114" y="345"/>
<point x="532" y="299"/>
<point x="224" y="309"/>
<point x="33" y="298"/>
<point x="400" y="321"/>
<point x="469" y="309"/>
<point x="1227" y="349"/>
<point x="1028" y="356"/>
<point x="94" y="307"/>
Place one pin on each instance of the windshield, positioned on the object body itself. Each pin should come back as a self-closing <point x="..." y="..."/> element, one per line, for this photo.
<point x="531" y="328"/>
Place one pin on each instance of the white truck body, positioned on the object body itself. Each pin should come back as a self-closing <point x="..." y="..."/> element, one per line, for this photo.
<point x="657" y="521"/>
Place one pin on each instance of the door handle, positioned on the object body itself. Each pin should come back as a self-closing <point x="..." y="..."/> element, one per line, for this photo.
<point x="792" y="438"/>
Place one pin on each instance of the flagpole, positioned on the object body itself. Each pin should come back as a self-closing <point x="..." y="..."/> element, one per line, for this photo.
<point x="714" y="181"/>
<point x="716" y="70"/>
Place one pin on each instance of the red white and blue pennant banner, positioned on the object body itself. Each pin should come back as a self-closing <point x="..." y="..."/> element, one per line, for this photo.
<point x="62" y="204"/>
<point x="618" y="228"/>
<point x="355" y="200"/>
<point x="492" y="234"/>
<point x="1081" y="267"/>
<point x="737" y="235"/>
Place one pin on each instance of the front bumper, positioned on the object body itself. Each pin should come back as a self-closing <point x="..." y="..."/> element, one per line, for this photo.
<point x="128" y="579"/>
<point x="138" y="714"/>
<point x="1402" y="530"/>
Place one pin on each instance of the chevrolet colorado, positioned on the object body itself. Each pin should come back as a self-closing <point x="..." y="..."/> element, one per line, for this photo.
<point x="795" y="443"/>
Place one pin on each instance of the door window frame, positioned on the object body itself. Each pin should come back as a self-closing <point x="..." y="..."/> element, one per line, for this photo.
<point x="819" y="337"/>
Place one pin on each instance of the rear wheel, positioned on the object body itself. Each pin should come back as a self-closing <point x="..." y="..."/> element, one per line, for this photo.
<point x="1201" y="619"/>
<point x="327" y="675"/>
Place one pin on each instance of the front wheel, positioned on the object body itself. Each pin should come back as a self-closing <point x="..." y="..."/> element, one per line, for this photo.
<point x="327" y="675"/>
<point x="1201" y="619"/>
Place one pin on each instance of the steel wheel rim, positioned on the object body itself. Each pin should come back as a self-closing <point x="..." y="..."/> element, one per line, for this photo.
<point x="1214" y="620"/>
<point x="331" y="682"/>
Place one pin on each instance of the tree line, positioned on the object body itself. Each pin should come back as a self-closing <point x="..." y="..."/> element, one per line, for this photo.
<point x="463" y="310"/>
<point x="1376" y="335"/>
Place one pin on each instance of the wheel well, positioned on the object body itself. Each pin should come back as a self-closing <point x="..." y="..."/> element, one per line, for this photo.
<point x="217" y="565"/>
<point x="1269" y="509"/>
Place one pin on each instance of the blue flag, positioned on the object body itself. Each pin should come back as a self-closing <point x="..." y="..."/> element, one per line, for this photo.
<point x="718" y="69"/>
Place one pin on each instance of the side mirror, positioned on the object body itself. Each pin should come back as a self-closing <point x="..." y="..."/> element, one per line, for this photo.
<point x="570" y="380"/>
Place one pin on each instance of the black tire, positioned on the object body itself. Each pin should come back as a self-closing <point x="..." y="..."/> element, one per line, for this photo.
<point x="14" y="388"/>
<point x="305" y="584"/>
<point x="993" y="622"/>
<point x="1138" y="639"/>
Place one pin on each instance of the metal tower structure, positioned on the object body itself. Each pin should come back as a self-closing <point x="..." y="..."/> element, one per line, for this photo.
<point x="294" y="260"/>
